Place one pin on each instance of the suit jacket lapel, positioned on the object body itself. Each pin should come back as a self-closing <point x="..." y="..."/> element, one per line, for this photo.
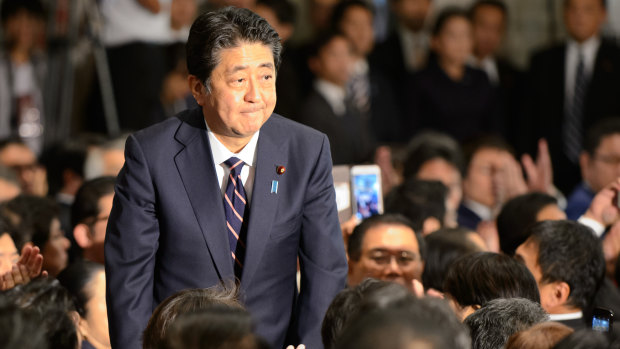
<point x="264" y="203"/>
<point x="195" y="166"/>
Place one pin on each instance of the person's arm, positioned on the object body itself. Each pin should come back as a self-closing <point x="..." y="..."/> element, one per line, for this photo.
<point x="130" y="247"/>
<point x="322" y="257"/>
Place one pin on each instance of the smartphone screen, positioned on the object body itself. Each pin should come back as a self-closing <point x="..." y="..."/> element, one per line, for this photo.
<point x="366" y="189"/>
<point x="602" y="320"/>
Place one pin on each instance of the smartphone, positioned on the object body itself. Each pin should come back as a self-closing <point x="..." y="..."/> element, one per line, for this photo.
<point x="602" y="320"/>
<point x="366" y="190"/>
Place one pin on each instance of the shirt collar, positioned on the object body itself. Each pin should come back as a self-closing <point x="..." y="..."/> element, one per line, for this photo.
<point x="333" y="94"/>
<point x="563" y="317"/>
<point x="221" y="153"/>
<point x="479" y="209"/>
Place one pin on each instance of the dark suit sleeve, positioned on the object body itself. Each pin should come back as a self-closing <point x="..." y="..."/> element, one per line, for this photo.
<point x="130" y="247"/>
<point x="322" y="258"/>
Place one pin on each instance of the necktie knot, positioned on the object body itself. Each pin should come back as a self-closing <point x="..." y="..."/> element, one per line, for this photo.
<point x="235" y="165"/>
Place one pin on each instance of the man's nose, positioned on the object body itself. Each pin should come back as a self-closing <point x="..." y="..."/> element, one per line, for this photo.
<point x="253" y="93"/>
<point x="393" y="267"/>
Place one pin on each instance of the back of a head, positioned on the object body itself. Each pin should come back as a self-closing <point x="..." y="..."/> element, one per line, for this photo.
<point x="19" y="329"/>
<point x="418" y="200"/>
<point x="50" y="304"/>
<point x="516" y="216"/>
<point x="60" y="158"/>
<point x="584" y="339"/>
<point x="186" y="301"/>
<point x="478" y="278"/>
<point x="443" y="247"/>
<point x="216" y="327"/>
<point x="345" y="306"/>
<point x="540" y="336"/>
<point x="427" y="322"/>
<point x="428" y="146"/>
<point x="569" y="252"/>
<point x="492" y="325"/>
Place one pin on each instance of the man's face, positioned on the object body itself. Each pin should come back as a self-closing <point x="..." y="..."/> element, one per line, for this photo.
<point x="99" y="227"/>
<point x="603" y="167"/>
<point x="390" y="253"/>
<point x="412" y="13"/>
<point x="440" y="170"/>
<point x="357" y="26"/>
<point x="8" y="190"/>
<point x="243" y="91"/>
<point x="488" y="30"/>
<point x="23" y="161"/>
<point x="8" y="253"/>
<point x="527" y="253"/>
<point x="334" y="61"/>
<point x="479" y="185"/>
<point x="584" y="18"/>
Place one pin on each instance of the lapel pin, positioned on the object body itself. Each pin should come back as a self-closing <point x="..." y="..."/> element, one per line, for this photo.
<point x="280" y="170"/>
<point x="274" y="187"/>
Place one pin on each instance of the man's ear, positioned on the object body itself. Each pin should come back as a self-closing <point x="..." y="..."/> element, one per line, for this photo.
<point x="584" y="165"/>
<point x="196" y="86"/>
<point x="554" y="295"/>
<point x="82" y="235"/>
<point x="431" y="224"/>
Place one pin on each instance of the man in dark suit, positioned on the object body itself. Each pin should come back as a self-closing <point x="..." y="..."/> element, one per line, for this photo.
<point x="571" y="86"/>
<point x="227" y="191"/>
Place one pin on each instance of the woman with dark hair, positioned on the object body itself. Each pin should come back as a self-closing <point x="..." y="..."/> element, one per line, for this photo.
<point x="85" y="282"/>
<point x="447" y="95"/>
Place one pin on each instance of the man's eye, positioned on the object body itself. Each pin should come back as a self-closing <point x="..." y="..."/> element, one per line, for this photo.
<point x="268" y="77"/>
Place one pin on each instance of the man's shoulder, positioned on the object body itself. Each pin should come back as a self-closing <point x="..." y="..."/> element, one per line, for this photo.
<point x="157" y="134"/>
<point x="551" y="54"/>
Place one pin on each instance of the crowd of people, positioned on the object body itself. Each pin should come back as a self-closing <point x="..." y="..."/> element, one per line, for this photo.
<point x="501" y="186"/>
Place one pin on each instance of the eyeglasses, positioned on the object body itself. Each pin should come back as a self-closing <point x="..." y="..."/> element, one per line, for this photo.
<point x="383" y="258"/>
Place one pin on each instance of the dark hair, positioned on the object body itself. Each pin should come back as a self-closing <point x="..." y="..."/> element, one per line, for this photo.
<point x="583" y="339"/>
<point x="33" y="218"/>
<point x="443" y="247"/>
<point x="500" y="5"/>
<point x="11" y="7"/>
<point x="61" y="157"/>
<point x="227" y="28"/>
<point x="484" y="142"/>
<point x="598" y="131"/>
<point x="354" y="247"/>
<point x="571" y="253"/>
<point x="516" y="216"/>
<point x="323" y="39"/>
<point x="76" y="278"/>
<point x="86" y="204"/>
<point x="430" y="146"/>
<point x="418" y="200"/>
<point x="19" y="329"/>
<point x="492" y="325"/>
<point x="212" y="328"/>
<point x="346" y="305"/>
<point x="541" y="336"/>
<point x="428" y="320"/>
<point x="341" y="8"/>
<point x="51" y="305"/>
<point x="445" y="15"/>
<point x="603" y="3"/>
<point x="186" y="301"/>
<point x="478" y="278"/>
<point x="285" y="11"/>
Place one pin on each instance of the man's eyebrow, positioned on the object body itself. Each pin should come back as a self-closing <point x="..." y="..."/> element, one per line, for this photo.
<point x="244" y="67"/>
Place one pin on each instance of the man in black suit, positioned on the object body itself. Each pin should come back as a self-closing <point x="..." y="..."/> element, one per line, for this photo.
<point x="489" y="19"/>
<point x="571" y="86"/>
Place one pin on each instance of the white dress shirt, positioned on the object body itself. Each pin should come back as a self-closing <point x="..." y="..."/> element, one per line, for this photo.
<point x="488" y="65"/>
<point x="482" y="211"/>
<point x="248" y="155"/>
<point x="588" y="49"/>
<point x="334" y="95"/>
<point x="564" y="317"/>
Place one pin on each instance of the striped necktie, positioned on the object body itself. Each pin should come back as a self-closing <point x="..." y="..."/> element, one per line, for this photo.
<point x="234" y="207"/>
<point x="573" y="120"/>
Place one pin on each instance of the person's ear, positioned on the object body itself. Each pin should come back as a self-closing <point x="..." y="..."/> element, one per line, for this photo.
<point x="584" y="165"/>
<point x="82" y="235"/>
<point x="430" y="225"/>
<point x="562" y="290"/>
<point x="554" y="295"/>
<point x="196" y="86"/>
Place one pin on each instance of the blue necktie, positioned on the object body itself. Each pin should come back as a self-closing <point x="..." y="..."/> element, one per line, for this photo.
<point x="573" y="121"/>
<point x="234" y="207"/>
